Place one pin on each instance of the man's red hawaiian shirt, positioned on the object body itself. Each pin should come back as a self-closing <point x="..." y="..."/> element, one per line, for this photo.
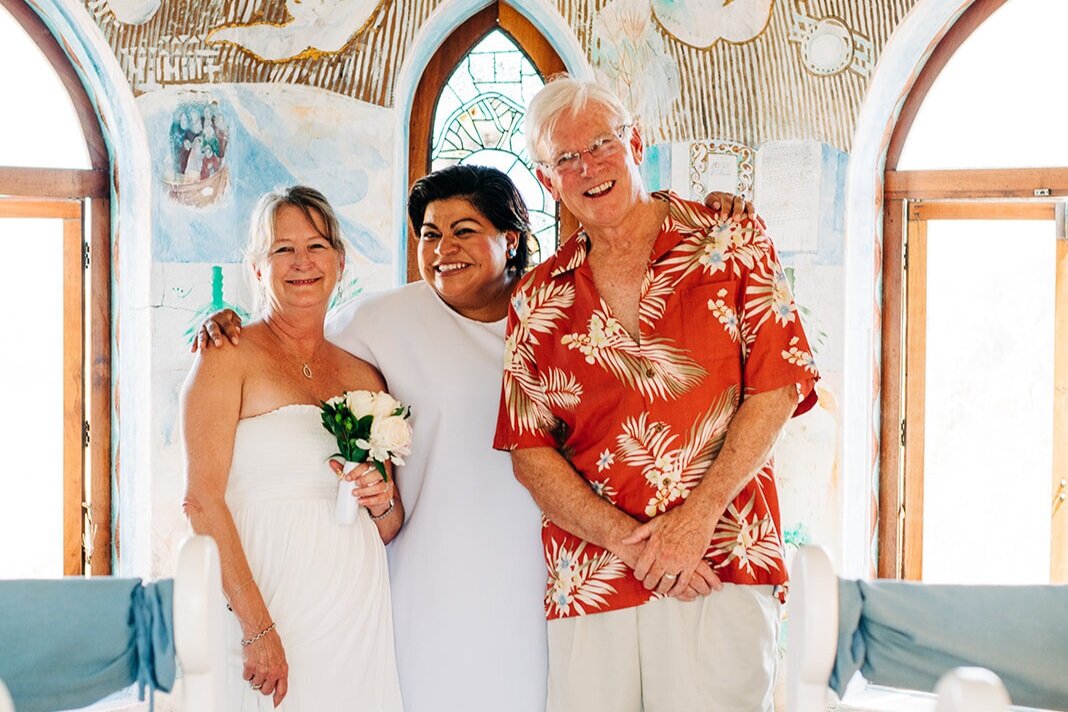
<point x="642" y="420"/>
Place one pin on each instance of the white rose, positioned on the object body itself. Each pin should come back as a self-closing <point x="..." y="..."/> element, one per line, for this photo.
<point x="392" y="435"/>
<point x="384" y="406"/>
<point x="336" y="400"/>
<point x="361" y="403"/>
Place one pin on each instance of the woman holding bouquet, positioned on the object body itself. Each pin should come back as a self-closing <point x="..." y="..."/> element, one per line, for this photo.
<point x="312" y="625"/>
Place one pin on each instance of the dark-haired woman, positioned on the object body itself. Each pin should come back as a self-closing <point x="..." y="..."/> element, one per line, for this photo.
<point x="467" y="571"/>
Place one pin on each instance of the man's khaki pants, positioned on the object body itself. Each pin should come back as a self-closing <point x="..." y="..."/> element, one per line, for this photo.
<point x="715" y="654"/>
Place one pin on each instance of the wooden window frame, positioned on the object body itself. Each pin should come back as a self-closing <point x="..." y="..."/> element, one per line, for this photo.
<point x="911" y="198"/>
<point x="895" y="560"/>
<point x="497" y="15"/>
<point x="87" y="504"/>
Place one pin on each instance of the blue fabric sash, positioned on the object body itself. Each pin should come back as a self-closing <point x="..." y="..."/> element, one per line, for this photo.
<point x="67" y="643"/>
<point x="904" y="634"/>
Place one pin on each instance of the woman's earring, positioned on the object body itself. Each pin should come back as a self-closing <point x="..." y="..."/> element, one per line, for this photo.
<point x="511" y="252"/>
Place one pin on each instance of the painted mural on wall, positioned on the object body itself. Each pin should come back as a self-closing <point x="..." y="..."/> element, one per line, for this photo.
<point x="628" y="55"/>
<point x="747" y="71"/>
<point x="215" y="152"/>
<point x="829" y="46"/>
<point x="199" y="137"/>
<point x="702" y="23"/>
<point x="313" y="28"/>
<point x="351" y="47"/>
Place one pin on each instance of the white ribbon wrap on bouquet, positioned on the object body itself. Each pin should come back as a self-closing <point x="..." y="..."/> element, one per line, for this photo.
<point x="346" y="503"/>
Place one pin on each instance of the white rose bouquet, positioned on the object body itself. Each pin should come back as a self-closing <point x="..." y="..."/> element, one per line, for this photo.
<point x="369" y="427"/>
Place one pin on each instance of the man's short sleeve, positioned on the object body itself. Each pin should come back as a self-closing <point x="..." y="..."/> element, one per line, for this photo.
<point x="524" y="418"/>
<point x="777" y="350"/>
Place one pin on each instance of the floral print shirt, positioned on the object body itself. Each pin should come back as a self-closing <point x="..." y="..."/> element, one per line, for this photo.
<point x="643" y="420"/>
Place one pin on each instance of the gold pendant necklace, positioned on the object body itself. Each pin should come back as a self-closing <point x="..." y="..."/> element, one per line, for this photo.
<point x="305" y="368"/>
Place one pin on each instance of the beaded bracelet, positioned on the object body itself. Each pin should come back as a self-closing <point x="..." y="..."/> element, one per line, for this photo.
<point x="383" y="515"/>
<point x="249" y="641"/>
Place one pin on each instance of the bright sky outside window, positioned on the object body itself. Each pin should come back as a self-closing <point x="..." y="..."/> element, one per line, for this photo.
<point x="40" y="127"/>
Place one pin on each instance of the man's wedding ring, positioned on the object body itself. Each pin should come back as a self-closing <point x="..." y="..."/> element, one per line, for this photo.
<point x="671" y="576"/>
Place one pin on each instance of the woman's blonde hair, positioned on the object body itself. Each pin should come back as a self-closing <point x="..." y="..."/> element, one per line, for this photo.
<point x="561" y="97"/>
<point x="261" y="230"/>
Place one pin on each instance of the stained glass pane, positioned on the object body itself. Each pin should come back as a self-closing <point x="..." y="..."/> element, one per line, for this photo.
<point x="479" y="120"/>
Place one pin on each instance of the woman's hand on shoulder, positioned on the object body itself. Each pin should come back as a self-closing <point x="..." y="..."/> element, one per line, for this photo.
<point x="222" y="325"/>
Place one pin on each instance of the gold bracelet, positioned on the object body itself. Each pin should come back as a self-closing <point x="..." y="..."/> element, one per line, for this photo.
<point x="249" y="641"/>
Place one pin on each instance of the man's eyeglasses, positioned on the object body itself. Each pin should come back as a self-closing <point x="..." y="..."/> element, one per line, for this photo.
<point x="605" y="146"/>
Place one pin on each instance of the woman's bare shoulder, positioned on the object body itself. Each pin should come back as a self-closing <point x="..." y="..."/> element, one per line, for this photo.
<point x="357" y="373"/>
<point x="228" y="360"/>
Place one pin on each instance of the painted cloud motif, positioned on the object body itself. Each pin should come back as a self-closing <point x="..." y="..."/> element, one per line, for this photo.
<point x="702" y="23"/>
<point x="133" y="12"/>
<point x="316" y="27"/>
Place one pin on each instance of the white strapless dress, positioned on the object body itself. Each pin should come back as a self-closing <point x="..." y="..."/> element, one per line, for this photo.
<point x="326" y="585"/>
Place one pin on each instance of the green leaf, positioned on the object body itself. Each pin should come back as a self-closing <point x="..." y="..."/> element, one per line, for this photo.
<point x="381" y="467"/>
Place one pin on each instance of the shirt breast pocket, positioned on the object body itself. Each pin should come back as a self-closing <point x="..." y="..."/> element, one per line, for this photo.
<point x="707" y="324"/>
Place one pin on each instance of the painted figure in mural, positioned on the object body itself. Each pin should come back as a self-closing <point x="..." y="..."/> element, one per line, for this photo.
<point x="311" y="627"/>
<point x="198" y="139"/>
<point x="467" y="570"/>
<point x="650" y="366"/>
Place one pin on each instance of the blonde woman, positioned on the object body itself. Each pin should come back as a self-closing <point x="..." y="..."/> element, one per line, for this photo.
<point x="312" y="626"/>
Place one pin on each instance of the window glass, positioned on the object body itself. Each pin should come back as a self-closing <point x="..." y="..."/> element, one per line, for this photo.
<point x="31" y="419"/>
<point x="40" y="129"/>
<point x="999" y="102"/>
<point x="988" y="427"/>
<point x="479" y="120"/>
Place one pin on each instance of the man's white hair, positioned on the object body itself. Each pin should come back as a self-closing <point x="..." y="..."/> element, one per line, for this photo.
<point x="561" y="97"/>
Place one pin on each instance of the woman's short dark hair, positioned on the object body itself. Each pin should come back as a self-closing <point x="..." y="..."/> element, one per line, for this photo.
<point x="489" y="190"/>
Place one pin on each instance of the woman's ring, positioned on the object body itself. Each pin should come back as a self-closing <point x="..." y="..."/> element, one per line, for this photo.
<point x="254" y="686"/>
<point x="672" y="577"/>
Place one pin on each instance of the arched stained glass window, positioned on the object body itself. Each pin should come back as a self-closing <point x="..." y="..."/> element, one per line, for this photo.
<point x="479" y="119"/>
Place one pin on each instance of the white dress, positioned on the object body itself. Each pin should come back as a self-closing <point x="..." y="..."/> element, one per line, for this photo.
<point x="467" y="570"/>
<point x="326" y="585"/>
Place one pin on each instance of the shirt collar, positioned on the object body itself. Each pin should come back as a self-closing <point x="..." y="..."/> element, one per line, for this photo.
<point x="572" y="254"/>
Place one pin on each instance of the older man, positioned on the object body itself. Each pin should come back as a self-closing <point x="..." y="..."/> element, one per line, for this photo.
<point x="650" y="366"/>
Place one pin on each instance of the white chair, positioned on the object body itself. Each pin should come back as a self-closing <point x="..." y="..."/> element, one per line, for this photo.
<point x="813" y="634"/>
<point x="971" y="689"/>
<point x="6" y="705"/>
<point x="199" y="625"/>
<point x="813" y="643"/>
